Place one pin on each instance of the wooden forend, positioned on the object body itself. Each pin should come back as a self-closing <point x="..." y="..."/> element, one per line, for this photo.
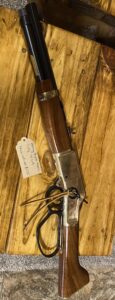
<point x="54" y="121"/>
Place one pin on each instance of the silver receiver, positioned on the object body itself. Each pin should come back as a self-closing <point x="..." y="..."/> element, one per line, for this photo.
<point x="69" y="170"/>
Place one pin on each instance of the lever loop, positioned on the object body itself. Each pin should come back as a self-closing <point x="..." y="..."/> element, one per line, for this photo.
<point x="53" y="209"/>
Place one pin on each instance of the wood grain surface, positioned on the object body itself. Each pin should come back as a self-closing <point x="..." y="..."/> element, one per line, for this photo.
<point x="16" y="99"/>
<point x="64" y="52"/>
<point x="98" y="164"/>
<point x="74" y="60"/>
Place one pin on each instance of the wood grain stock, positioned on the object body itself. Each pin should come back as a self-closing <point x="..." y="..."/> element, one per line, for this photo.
<point x="53" y="119"/>
<point x="72" y="276"/>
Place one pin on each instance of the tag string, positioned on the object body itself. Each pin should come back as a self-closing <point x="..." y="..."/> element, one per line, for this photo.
<point x="55" y="197"/>
<point x="38" y="209"/>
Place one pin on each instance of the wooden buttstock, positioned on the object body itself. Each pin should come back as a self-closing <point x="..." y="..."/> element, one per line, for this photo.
<point x="53" y="120"/>
<point x="72" y="276"/>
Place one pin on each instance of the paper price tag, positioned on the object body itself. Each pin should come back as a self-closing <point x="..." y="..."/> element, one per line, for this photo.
<point x="28" y="158"/>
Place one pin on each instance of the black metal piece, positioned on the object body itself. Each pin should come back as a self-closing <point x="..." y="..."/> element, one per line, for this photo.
<point x="53" y="209"/>
<point x="75" y="193"/>
<point x="80" y="18"/>
<point x="85" y="201"/>
<point x="32" y="28"/>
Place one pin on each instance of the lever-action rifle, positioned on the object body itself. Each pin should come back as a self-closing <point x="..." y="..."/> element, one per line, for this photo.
<point x="71" y="275"/>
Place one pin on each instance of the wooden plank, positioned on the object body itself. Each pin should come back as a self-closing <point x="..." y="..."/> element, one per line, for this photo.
<point x="113" y="11"/>
<point x="98" y="165"/>
<point x="74" y="61"/>
<point x="16" y="98"/>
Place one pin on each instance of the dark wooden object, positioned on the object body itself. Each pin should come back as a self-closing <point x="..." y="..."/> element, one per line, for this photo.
<point x="72" y="276"/>
<point x="80" y="18"/>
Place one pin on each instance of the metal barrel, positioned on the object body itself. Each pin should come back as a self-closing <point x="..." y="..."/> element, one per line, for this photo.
<point x="30" y="22"/>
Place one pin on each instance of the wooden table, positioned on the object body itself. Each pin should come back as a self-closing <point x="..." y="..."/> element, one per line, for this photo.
<point x="87" y="88"/>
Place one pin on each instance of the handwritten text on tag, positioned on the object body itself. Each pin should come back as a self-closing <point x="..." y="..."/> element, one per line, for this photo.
<point x="28" y="158"/>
